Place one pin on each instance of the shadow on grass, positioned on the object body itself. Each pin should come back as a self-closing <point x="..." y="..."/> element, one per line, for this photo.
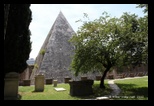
<point x="37" y="91"/>
<point x="13" y="98"/>
<point x="133" y="90"/>
<point x="19" y="97"/>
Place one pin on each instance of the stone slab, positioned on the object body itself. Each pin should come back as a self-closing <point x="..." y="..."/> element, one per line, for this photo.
<point x="59" y="89"/>
<point x="102" y="98"/>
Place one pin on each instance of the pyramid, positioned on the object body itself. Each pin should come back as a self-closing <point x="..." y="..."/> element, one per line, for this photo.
<point x="55" y="61"/>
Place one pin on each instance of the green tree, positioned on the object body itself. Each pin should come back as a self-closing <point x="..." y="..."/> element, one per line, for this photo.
<point x="145" y="6"/>
<point x="17" y="45"/>
<point x="135" y="40"/>
<point x="107" y="42"/>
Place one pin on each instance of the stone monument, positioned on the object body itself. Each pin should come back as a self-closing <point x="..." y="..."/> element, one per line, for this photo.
<point x="11" y="86"/>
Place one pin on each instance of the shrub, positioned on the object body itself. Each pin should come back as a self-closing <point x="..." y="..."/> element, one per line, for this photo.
<point x="42" y="52"/>
<point x="36" y="66"/>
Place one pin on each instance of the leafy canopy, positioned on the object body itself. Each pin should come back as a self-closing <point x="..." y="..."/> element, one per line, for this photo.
<point x="109" y="41"/>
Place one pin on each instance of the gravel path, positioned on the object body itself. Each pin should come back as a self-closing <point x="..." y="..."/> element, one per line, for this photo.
<point x="114" y="87"/>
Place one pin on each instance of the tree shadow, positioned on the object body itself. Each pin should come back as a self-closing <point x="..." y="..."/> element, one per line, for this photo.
<point x="37" y="91"/>
<point x="19" y="97"/>
<point x="133" y="90"/>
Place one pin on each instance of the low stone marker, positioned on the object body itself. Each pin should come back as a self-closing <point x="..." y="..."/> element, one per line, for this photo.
<point x="81" y="88"/>
<point x="21" y="83"/>
<point x="55" y="83"/>
<point x="39" y="83"/>
<point x="26" y="82"/>
<point x="131" y="75"/>
<point x="11" y="86"/>
<point x="120" y="75"/>
<point x="49" y="81"/>
<point x="66" y="79"/>
<point x="102" y="98"/>
<point x="98" y="78"/>
<point x="140" y="74"/>
<point x="83" y="78"/>
<point x="110" y="76"/>
<point x="60" y="89"/>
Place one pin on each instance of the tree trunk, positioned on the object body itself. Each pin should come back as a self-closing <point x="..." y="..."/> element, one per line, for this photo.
<point x="103" y="77"/>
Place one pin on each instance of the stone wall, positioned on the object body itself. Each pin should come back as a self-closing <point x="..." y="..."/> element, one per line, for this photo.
<point x="26" y="74"/>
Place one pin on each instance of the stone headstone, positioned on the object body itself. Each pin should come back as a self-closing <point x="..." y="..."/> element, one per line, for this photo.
<point x="81" y="88"/>
<point x="66" y="79"/>
<point x="54" y="83"/>
<point x="39" y="83"/>
<point x="26" y="82"/>
<point x="83" y="78"/>
<point x="11" y="86"/>
<point x="98" y="78"/>
<point x="49" y="81"/>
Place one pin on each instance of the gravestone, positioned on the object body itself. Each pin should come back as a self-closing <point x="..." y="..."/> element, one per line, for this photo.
<point x="83" y="78"/>
<point x="131" y="75"/>
<point x="54" y="83"/>
<point x="66" y="79"/>
<point x="39" y="83"/>
<point x="98" y="78"/>
<point x="26" y="82"/>
<point x="49" y="81"/>
<point x="110" y="76"/>
<point x="11" y="86"/>
<point x="81" y="88"/>
<point x="140" y="74"/>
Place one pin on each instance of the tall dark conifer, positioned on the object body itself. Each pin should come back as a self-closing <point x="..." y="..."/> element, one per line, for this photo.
<point x="17" y="44"/>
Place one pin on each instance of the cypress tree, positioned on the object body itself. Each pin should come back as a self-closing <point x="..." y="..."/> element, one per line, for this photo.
<point x="17" y="44"/>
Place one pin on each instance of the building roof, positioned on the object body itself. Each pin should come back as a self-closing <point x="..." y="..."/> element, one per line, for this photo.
<point x="30" y="61"/>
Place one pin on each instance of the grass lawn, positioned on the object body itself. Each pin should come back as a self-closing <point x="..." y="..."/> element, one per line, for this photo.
<point x="133" y="89"/>
<point x="27" y="92"/>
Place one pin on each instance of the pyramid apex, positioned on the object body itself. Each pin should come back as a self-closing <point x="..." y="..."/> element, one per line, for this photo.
<point x="60" y="13"/>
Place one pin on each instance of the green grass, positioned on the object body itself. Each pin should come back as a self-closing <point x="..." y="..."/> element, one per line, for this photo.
<point x="27" y="92"/>
<point x="133" y="89"/>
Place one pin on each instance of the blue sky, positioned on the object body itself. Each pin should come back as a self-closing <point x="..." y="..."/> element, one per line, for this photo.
<point x="44" y="15"/>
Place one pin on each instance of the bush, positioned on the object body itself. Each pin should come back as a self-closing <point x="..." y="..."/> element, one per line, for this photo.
<point x="42" y="52"/>
<point x="36" y="66"/>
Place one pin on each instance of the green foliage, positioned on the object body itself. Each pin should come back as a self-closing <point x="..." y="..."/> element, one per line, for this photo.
<point x="110" y="41"/>
<point x="17" y="38"/>
<point x="145" y="6"/>
<point x="42" y="52"/>
<point x="136" y="39"/>
<point x="36" y="66"/>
